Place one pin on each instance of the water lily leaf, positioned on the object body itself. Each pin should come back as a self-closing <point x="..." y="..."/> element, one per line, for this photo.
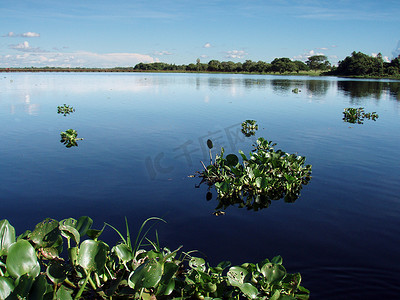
<point x="167" y="283"/>
<point x="224" y="264"/>
<point x="273" y="272"/>
<point x="210" y="144"/>
<point x="123" y="252"/>
<point x="6" y="287"/>
<point x="236" y="276"/>
<point x="92" y="255"/>
<point x="147" y="275"/>
<point x="242" y="155"/>
<point x="94" y="233"/>
<point x="7" y="236"/>
<point x="22" y="259"/>
<point x="276" y="295"/>
<point x="64" y="294"/>
<point x="73" y="255"/>
<point x="57" y="271"/>
<point x="277" y="260"/>
<point x="46" y="233"/>
<point x="197" y="263"/>
<point x="39" y="288"/>
<point x="83" y="224"/>
<point x="23" y="287"/>
<point x="249" y="290"/>
<point x="166" y="289"/>
<point x="70" y="232"/>
<point x="232" y="159"/>
<point x="210" y="287"/>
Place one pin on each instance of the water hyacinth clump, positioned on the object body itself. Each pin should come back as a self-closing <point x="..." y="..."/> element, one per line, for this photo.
<point x="69" y="138"/>
<point x="249" y="127"/>
<point x="357" y="115"/>
<point x="65" y="109"/>
<point x="67" y="260"/>
<point x="266" y="174"/>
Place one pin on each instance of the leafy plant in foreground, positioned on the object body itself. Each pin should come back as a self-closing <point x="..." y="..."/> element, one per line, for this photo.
<point x="249" y="127"/>
<point x="65" y="110"/>
<point x="35" y="265"/>
<point x="357" y="115"/>
<point x="69" y="138"/>
<point x="267" y="174"/>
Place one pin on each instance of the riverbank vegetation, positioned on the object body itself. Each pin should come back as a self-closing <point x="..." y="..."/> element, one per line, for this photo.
<point x="266" y="174"/>
<point x="356" y="65"/>
<point x="366" y="66"/>
<point x="67" y="260"/>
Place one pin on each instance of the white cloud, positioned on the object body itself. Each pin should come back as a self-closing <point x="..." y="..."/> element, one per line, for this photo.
<point x="385" y="58"/>
<point x="162" y="53"/>
<point x="25" y="47"/>
<point x="28" y="34"/>
<point x="74" y="59"/>
<point x="306" y="55"/>
<point x="396" y="51"/>
<point x="236" y="54"/>
<point x="207" y="45"/>
<point x="10" y="34"/>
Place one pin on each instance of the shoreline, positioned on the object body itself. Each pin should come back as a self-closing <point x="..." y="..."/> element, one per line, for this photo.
<point x="132" y="70"/>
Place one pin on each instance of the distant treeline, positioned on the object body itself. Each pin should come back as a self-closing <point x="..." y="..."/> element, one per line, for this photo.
<point x="363" y="65"/>
<point x="356" y="65"/>
<point x="278" y="65"/>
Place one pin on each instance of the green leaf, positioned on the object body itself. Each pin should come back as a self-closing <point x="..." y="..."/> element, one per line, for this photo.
<point x="232" y="160"/>
<point x="249" y="290"/>
<point x="147" y="275"/>
<point x="237" y="276"/>
<point x="209" y="144"/>
<point x="46" y="233"/>
<point x="57" y="271"/>
<point x="23" y="287"/>
<point x="94" y="233"/>
<point x="197" y="263"/>
<point x="92" y="255"/>
<point x="21" y="259"/>
<point x="273" y="272"/>
<point x="83" y="224"/>
<point x="39" y="288"/>
<point x="6" y="287"/>
<point x="243" y="155"/>
<point x="123" y="252"/>
<point x="63" y="294"/>
<point x="277" y="260"/>
<point x="69" y="232"/>
<point x="224" y="264"/>
<point x="167" y="283"/>
<point x="7" y="236"/>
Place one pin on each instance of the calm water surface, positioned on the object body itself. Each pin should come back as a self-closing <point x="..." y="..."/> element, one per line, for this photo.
<point x="145" y="133"/>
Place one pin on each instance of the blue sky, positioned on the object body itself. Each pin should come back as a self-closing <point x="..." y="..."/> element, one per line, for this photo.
<point x="110" y="33"/>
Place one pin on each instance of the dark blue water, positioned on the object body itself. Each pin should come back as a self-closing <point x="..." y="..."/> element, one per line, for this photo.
<point x="144" y="134"/>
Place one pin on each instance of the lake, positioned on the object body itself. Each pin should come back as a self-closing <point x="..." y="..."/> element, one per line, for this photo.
<point x="145" y="134"/>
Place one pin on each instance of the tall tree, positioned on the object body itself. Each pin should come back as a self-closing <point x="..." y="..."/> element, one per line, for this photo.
<point x="318" y="62"/>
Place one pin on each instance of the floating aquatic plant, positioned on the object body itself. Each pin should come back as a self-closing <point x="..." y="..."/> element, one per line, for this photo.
<point x="65" y="109"/>
<point x="266" y="174"/>
<point x="33" y="266"/>
<point x="357" y="115"/>
<point x="69" y="138"/>
<point x="249" y="127"/>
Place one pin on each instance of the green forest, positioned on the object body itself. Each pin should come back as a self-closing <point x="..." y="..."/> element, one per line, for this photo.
<point x="357" y="64"/>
